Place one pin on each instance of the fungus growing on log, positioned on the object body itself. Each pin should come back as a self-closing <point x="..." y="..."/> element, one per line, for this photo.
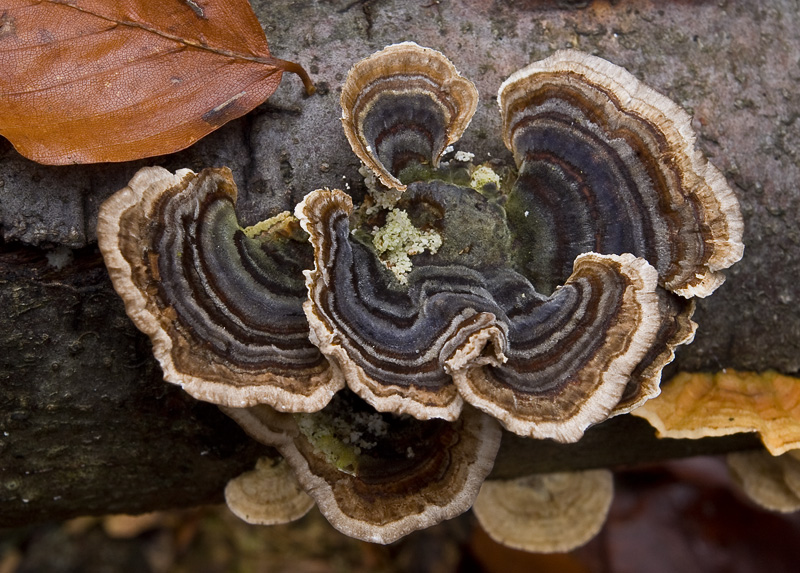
<point x="609" y="165"/>
<point x="378" y="477"/>
<point x="269" y="494"/>
<point x="599" y="155"/>
<point x="544" y="366"/>
<point x="546" y="513"/>
<point x="404" y="104"/>
<point x="696" y="404"/>
<point x="550" y="299"/>
<point x="221" y="304"/>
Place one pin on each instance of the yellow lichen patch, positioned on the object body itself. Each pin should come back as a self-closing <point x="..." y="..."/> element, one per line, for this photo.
<point x="482" y="176"/>
<point x="399" y="239"/>
<point x="696" y="405"/>
<point x="271" y="225"/>
<point x="342" y="441"/>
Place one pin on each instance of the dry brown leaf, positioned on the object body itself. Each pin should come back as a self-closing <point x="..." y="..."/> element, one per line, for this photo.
<point x="84" y="81"/>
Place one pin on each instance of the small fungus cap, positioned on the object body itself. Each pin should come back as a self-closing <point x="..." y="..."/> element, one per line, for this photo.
<point x="268" y="494"/>
<point x="404" y="104"/>
<point x="769" y="481"/>
<point x="697" y="404"/>
<point x="546" y="513"/>
<point x="378" y="477"/>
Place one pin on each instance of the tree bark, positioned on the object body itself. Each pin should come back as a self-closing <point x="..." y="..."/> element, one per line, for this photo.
<point x="88" y="426"/>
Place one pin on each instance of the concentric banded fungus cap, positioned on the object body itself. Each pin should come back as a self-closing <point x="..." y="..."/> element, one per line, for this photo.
<point x="378" y="477"/>
<point x="609" y="165"/>
<point x="570" y="355"/>
<point x="391" y="342"/>
<point x="767" y="480"/>
<point x="696" y="405"/>
<point x="404" y="104"/>
<point x="221" y="304"/>
<point x="268" y="494"/>
<point x="544" y="366"/>
<point x="546" y="513"/>
<point x="676" y="328"/>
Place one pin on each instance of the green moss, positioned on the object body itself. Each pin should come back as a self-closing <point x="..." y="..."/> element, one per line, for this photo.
<point x="342" y="439"/>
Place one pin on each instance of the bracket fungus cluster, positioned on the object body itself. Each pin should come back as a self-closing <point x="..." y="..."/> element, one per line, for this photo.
<point x="549" y="303"/>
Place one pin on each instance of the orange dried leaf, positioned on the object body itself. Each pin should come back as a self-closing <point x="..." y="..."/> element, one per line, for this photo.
<point x="696" y="405"/>
<point x="84" y="81"/>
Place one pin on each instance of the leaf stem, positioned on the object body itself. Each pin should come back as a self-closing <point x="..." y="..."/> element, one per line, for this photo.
<point x="294" y="68"/>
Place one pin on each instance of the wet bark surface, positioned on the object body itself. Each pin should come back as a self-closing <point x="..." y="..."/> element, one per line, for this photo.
<point x="88" y="426"/>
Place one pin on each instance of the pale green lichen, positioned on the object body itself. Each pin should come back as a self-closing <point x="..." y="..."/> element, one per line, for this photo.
<point x="383" y="197"/>
<point x="483" y="176"/>
<point x="264" y="227"/>
<point x="340" y="441"/>
<point x="399" y="239"/>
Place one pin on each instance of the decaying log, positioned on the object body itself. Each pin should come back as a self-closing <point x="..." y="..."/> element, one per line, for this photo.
<point x="88" y="426"/>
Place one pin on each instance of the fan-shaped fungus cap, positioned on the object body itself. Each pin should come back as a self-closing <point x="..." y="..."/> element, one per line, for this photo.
<point x="268" y="494"/>
<point x="544" y="366"/>
<point x="696" y="405"/>
<point x="390" y="342"/>
<point x="546" y="513"/>
<point x="769" y="481"/>
<point x="378" y="477"/>
<point x="404" y="104"/>
<point x="570" y="355"/>
<point x="609" y="165"/>
<point x="221" y="304"/>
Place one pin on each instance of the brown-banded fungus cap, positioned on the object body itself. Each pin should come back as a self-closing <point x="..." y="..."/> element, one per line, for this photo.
<point x="402" y="105"/>
<point x="221" y="304"/>
<point x="544" y="366"/>
<point x="676" y="328"/>
<point x="268" y="494"/>
<point x="697" y="404"/>
<point x="546" y="513"/>
<point x="390" y="342"/>
<point x="609" y="165"/>
<point x="378" y="477"/>
<point x="550" y="302"/>
<point x="570" y="355"/>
